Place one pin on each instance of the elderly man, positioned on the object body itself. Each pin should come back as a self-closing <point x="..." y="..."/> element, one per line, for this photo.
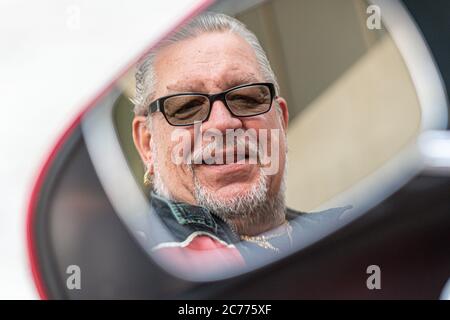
<point x="212" y="75"/>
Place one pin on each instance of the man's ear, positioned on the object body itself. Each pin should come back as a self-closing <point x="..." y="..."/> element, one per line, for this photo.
<point x="284" y="112"/>
<point x="142" y="138"/>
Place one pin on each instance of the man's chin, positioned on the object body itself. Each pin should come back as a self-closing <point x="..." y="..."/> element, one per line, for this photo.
<point x="230" y="193"/>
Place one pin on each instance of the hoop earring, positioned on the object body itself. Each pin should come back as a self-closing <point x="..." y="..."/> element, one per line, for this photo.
<point x="147" y="178"/>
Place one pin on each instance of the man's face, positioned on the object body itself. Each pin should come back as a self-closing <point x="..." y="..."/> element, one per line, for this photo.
<point x="211" y="63"/>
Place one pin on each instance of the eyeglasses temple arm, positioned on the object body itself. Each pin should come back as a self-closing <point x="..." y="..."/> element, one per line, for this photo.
<point x="154" y="106"/>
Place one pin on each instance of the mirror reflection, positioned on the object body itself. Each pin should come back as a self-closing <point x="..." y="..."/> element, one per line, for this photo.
<point x="243" y="125"/>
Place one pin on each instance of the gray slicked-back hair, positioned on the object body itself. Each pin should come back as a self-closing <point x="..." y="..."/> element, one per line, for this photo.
<point x="204" y="23"/>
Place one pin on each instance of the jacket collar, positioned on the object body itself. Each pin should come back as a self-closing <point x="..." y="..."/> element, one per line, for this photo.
<point x="184" y="213"/>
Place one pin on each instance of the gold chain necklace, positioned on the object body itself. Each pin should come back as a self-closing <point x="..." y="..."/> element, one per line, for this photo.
<point x="263" y="240"/>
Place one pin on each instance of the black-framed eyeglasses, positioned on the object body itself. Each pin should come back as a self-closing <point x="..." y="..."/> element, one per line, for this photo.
<point x="184" y="109"/>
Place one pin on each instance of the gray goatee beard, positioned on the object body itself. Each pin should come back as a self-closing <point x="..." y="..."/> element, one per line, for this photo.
<point x="250" y="213"/>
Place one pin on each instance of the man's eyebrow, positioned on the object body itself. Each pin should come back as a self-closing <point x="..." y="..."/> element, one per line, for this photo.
<point x="181" y="88"/>
<point x="185" y="86"/>
<point x="241" y="80"/>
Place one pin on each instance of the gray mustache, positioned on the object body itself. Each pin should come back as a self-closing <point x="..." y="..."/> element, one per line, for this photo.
<point x="240" y="149"/>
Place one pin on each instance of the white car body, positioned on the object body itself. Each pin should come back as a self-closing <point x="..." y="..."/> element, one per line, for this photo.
<point x="55" y="57"/>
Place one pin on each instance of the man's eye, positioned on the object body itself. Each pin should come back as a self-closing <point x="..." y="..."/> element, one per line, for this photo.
<point x="246" y="100"/>
<point x="188" y="109"/>
<point x="189" y="106"/>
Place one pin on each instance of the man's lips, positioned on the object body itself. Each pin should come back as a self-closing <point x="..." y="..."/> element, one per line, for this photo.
<point x="234" y="168"/>
<point x="223" y="165"/>
<point x="230" y="169"/>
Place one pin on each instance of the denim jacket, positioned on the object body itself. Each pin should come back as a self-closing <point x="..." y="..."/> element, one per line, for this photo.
<point x="192" y="228"/>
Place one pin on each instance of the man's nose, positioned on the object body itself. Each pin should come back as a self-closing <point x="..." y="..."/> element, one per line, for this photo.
<point x="221" y="119"/>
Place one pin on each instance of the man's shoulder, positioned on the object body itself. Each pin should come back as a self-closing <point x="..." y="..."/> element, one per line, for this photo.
<point x="318" y="216"/>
